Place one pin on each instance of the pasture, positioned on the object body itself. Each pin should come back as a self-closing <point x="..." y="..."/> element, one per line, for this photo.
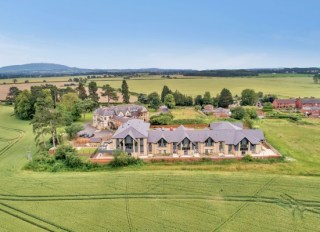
<point x="255" y="197"/>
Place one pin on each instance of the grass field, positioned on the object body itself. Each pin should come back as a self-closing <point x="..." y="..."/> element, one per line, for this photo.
<point x="285" y="85"/>
<point x="151" y="198"/>
<point x="282" y="86"/>
<point x="186" y="113"/>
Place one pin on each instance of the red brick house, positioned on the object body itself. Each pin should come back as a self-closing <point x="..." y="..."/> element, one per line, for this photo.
<point x="309" y="106"/>
<point x="303" y="103"/>
<point x="284" y="103"/>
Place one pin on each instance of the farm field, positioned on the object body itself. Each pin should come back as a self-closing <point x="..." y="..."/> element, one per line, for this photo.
<point x="282" y="85"/>
<point x="257" y="197"/>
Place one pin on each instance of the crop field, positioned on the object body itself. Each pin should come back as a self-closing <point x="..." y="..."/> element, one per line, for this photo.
<point x="285" y="85"/>
<point x="153" y="198"/>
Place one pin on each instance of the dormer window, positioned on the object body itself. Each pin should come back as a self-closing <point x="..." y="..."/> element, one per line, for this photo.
<point x="162" y="142"/>
<point x="209" y="142"/>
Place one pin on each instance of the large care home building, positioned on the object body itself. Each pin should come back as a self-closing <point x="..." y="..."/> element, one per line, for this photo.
<point x="222" y="138"/>
<point x="114" y="116"/>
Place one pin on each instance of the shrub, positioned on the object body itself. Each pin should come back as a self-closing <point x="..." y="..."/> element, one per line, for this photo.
<point x="248" y="122"/>
<point x="247" y="158"/>
<point x="238" y="113"/>
<point x="252" y="113"/>
<point x="73" y="161"/>
<point x="161" y="119"/>
<point x="122" y="159"/>
<point x="188" y="121"/>
<point x="63" y="151"/>
<point x="267" y="107"/>
<point x="197" y="107"/>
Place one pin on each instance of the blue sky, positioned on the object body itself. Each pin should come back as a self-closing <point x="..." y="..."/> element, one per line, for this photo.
<point x="198" y="34"/>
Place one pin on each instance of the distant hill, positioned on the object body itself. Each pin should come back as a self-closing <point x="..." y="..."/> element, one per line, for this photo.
<point x="49" y="69"/>
<point x="37" y="67"/>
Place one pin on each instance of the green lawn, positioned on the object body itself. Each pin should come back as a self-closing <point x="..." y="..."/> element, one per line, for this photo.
<point x="252" y="197"/>
<point x="186" y="113"/>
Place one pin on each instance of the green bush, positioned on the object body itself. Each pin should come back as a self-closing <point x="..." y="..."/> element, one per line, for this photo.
<point x="238" y="113"/>
<point x="63" y="151"/>
<point x="267" y="107"/>
<point x="188" y="121"/>
<point x="247" y="122"/>
<point x="161" y="119"/>
<point x="252" y="113"/>
<point x="122" y="159"/>
<point x="247" y="158"/>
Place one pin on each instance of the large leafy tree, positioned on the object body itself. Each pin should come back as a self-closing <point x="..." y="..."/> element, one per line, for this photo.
<point x="165" y="92"/>
<point x="207" y="98"/>
<point x="125" y="92"/>
<point x="68" y="108"/>
<point x="169" y="101"/>
<point x="154" y="100"/>
<point x="225" y="98"/>
<point x="23" y="107"/>
<point x="82" y="93"/>
<point x="249" y="97"/>
<point x="143" y="98"/>
<point x="198" y="100"/>
<point x="12" y="95"/>
<point x="93" y="92"/>
<point x="46" y="118"/>
<point x="85" y="106"/>
<point x="73" y="129"/>
<point x="110" y="93"/>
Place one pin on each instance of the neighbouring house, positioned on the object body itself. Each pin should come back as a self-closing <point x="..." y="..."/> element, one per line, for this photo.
<point x="221" y="113"/>
<point x="114" y="116"/>
<point x="164" y="109"/>
<point x="305" y="103"/>
<point x="222" y="138"/>
<point x="284" y="103"/>
<point x="208" y="109"/>
<point x="217" y="112"/>
<point x="309" y="106"/>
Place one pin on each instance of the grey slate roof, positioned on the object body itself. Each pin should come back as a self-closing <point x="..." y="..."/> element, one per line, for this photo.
<point x="115" y="110"/>
<point x="228" y="136"/>
<point x="230" y="133"/>
<point x="136" y="128"/>
<point x="226" y="126"/>
<point x="310" y="101"/>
